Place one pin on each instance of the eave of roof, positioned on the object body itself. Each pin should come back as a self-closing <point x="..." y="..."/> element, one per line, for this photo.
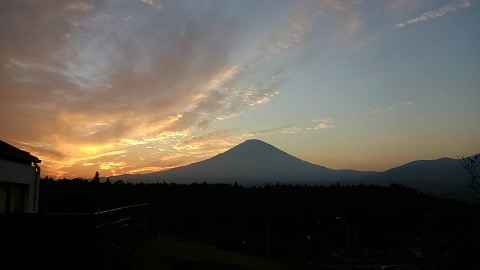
<point x="11" y="152"/>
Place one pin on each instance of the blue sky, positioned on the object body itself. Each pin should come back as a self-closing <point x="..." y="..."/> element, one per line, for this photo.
<point x="141" y="86"/>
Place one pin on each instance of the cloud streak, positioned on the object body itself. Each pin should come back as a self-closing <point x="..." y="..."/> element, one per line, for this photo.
<point x="83" y="79"/>
<point x="322" y="124"/>
<point x="135" y="86"/>
<point x="382" y="110"/>
<point x="433" y="14"/>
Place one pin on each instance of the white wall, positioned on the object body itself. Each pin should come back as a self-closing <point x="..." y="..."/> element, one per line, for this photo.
<point x="21" y="174"/>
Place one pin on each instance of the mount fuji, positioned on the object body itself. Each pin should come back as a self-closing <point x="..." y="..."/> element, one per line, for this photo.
<point x="252" y="162"/>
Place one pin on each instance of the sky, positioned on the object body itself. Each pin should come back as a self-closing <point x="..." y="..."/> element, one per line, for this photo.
<point x="137" y="86"/>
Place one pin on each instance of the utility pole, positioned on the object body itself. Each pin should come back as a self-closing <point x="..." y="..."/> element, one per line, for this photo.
<point x="348" y="238"/>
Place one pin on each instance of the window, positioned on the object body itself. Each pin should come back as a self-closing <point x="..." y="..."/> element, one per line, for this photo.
<point x="3" y="198"/>
<point x="12" y="198"/>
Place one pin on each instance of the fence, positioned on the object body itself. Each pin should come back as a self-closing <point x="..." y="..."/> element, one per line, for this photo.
<point x="100" y="240"/>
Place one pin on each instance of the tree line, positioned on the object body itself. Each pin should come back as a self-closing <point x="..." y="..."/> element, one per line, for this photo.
<point x="299" y="221"/>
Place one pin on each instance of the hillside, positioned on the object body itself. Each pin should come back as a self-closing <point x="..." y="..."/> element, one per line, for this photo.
<point x="251" y="162"/>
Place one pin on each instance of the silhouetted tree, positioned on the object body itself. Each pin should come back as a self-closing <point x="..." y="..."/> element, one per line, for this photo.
<point x="471" y="165"/>
<point x="96" y="179"/>
<point x="119" y="182"/>
<point x="108" y="182"/>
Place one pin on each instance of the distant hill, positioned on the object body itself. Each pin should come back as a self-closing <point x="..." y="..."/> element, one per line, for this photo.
<point x="255" y="162"/>
<point x="443" y="177"/>
<point x="441" y="171"/>
<point x="252" y="162"/>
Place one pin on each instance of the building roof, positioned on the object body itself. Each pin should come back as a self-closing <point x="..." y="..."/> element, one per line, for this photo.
<point x="11" y="153"/>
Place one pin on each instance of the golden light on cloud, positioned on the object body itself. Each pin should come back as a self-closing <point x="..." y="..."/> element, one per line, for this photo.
<point x="78" y="5"/>
<point x="94" y="150"/>
<point x="222" y="77"/>
<point x="173" y="156"/>
<point x="323" y="125"/>
<point x="129" y="142"/>
<point x="103" y="106"/>
<point x="186" y="147"/>
<point x="163" y="136"/>
<point x="112" y="165"/>
<point x="100" y="86"/>
<point x="227" y="116"/>
<point x="150" y="169"/>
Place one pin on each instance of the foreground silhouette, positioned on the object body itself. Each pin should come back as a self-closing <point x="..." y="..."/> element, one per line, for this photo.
<point x="392" y="224"/>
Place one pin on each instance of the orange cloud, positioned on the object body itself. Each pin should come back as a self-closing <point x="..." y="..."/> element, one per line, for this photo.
<point x="86" y="90"/>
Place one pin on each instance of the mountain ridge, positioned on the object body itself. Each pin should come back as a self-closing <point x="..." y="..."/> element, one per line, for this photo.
<point x="255" y="163"/>
<point x="250" y="162"/>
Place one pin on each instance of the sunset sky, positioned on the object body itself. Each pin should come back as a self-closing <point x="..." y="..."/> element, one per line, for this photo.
<point x="140" y="86"/>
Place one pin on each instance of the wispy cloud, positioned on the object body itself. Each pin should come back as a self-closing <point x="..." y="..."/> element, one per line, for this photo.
<point x="207" y="145"/>
<point x="98" y="84"/>
<point x="433" y="14"/>
<point x="391" y="108"/>
<point x="152" y="3"/>
<point x="465" y="3"/>
<point x="128" y="82"/>
<point x="322" y="124"/>
<point x="387" y="109"/>
<point x="292" y="130"/>
<point x="78" y="5"/>
<point x="287" y="129"/>
<point x="149" y="2"/>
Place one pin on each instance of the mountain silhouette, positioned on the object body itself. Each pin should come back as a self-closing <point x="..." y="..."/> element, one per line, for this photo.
<point x="438" y="172"/>
<point x="251" y="162"/>
<point x="255" y="162"/>
<point x="444" y="177"/>
<point x="441" y="171"/>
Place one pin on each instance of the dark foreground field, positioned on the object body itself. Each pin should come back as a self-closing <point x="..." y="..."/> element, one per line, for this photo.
<point x="203" y="226"/>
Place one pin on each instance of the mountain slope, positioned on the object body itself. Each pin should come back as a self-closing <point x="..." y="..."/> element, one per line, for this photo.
<point x="444" y="177"/>
<point x="251" y="162"/>
<point x="444" y="171"/>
